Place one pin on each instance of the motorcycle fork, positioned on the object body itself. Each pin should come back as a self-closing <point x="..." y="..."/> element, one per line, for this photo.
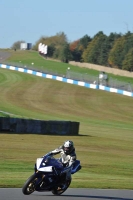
<point x="40" y="178"/>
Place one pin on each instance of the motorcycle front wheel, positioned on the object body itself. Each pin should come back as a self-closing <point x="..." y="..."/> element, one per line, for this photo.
<point x="61" y="188"/>
<point x="29" y="186"/>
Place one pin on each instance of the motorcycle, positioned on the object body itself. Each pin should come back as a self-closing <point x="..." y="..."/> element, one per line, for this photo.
<point x="49" y="175"/>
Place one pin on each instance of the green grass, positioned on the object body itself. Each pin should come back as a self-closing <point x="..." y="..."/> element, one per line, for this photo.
<point x="104" y="144"/>
<point x="28" y="57"/>
<point x="106" y="161"/>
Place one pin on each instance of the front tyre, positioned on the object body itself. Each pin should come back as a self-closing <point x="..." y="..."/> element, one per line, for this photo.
<point x="29" y="186"/>
<point x="61" y="188"/>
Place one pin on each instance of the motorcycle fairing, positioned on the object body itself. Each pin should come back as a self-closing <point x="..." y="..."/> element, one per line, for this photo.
<point x="46" y="164"/>
<point x="76" y="167"/>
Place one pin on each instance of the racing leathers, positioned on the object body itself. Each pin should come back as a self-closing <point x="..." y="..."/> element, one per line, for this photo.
<point x="66" y="159"/>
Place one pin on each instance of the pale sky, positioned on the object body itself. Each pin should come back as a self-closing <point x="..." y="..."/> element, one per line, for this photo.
<point x="28" y="20"/>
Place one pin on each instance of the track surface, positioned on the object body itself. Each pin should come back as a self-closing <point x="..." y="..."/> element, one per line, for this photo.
<point x="70" y="194"/>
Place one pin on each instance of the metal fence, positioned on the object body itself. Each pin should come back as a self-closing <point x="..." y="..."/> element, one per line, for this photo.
<point x="110" y="82"/>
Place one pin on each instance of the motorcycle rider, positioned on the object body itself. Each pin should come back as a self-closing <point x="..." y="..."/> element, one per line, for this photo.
<point x="68" y="156"/>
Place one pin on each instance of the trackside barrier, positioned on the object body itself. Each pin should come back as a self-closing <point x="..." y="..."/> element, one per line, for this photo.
<point x="66" y="80"/>
<point x="17" y="125"/>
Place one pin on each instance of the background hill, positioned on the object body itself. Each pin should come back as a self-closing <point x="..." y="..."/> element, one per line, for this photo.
<point x="104" y="144"/>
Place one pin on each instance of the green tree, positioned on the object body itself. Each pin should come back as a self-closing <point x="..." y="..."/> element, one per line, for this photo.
<point x="16" y="45"/>
<point x="120" y="49"/>
<point x="116" y="54"/>
<point x="75" y="52"/>
<point x="96" y="50"/>
<point x="77" y="47"/>
<point x="65" y="54"/>
<point x="103" y="53"/>
<point x="84" y="41"/>
<point x="54" y="44"/>
<point x="51" y="50"/>
<point x="127" y="63"/>
<point x="128" y="43"/>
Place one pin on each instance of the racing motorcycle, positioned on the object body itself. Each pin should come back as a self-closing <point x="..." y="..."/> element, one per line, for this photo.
<point x="49" y="175"/>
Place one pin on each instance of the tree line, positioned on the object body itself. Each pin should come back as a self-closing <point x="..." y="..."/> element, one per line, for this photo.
<point x="115" y="50"/>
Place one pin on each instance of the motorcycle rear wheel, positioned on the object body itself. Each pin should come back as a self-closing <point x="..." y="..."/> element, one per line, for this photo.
<point x="60" y="189"/>
<point x="29" y="186"/>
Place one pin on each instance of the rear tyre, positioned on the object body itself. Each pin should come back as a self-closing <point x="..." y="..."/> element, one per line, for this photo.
<point x="61" y="188"/>
<point x="29" y="186"/>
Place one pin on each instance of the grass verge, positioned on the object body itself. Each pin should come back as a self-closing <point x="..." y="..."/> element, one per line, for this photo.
<point x="106" y="161"/>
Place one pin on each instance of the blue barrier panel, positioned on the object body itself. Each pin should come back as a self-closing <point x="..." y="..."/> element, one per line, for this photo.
<point x="43" y="75"/>
<point x="107" y="89"/>
<point x="7" y="67"/>
<point x="54" y="77"/>
<point x="87" y="85"/>
<point x="34" y="72"/>
<point x="75" y="82"/>
<point x="120" y="91"/>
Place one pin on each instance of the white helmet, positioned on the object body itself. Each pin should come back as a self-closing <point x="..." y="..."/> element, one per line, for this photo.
<point x="68" y="147"/>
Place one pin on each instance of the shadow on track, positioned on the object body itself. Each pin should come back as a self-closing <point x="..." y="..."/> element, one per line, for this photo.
<point x="98" y="197"/>
<point x="91" y="197"/>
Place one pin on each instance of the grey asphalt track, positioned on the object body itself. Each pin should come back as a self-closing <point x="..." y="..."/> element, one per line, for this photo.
<point x="70" y="194"/>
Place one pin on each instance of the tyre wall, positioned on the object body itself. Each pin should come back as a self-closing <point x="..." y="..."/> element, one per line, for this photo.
<point x="17" y="125"/>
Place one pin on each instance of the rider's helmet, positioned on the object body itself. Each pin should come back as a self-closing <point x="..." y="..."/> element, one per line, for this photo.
<point x="68" y="147"/>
